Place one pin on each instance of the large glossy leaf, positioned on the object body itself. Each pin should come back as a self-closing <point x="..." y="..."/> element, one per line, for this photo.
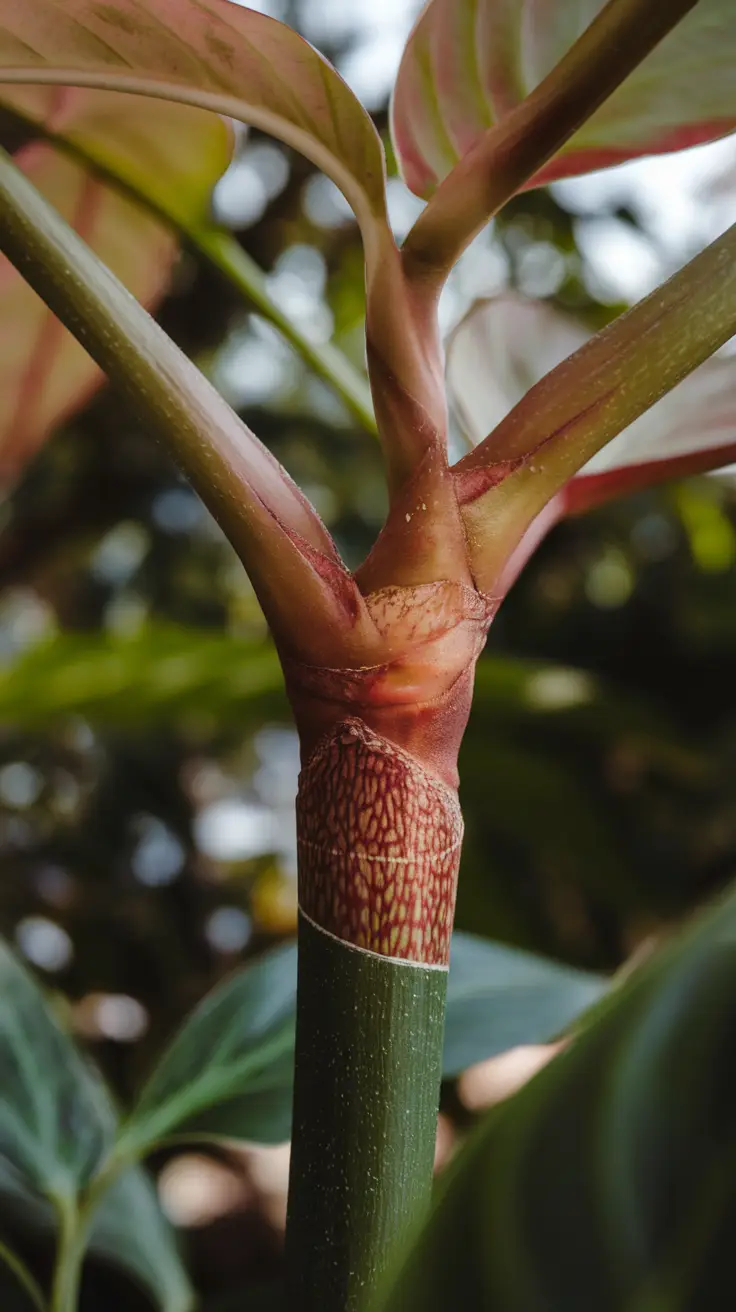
<point x="210" y="53"/>
<point x="57" y="1125"/>
<point x="172" y="155"/>
<point x="608" y="1181"/>
<point x="504" y="346"/>
<point x="228" y="1073"/>
<point x="469" y="63"/>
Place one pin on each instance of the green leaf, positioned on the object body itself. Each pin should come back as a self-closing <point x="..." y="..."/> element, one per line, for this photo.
<point x="156" y="674"/>
<point x="470" y="63"/>
<point x="607" y="1182"/>
<point x="212" y="54"/>
<point x="499" y="997"/>
<point x="238" y="1042"/>
<point x="55" y="1121"/>
<point x="130" y="1230"/>
<point x="57" y="1127"/>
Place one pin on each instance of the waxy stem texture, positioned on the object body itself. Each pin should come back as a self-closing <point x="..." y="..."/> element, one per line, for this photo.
<point x="379" y="834"/>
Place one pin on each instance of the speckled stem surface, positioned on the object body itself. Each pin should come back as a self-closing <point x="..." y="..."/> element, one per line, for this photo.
<point x="368" y="1068"/>
<point x="379" y="845"/>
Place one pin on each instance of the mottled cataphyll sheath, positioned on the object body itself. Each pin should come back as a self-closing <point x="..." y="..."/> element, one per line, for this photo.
<point x="379" y="846"/>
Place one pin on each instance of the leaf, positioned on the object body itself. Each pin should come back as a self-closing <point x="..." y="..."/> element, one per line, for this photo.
<point x="240" y="1039"/>
<point x="130" y="1229"/>
<point x="504" y="346"/>
<point x="607" y="1181"/>
<point x="55" y="1122"/>
<point x="57" y="1126"/>
<point x="167" y="155"/>
<point x="173" y="155"/>
<point x="211" y="53"/>
<point x="469" y="63"/>
<point x="228" y="1073"/>
<point x="155" y="675"/>
<point x="45" y="375"/>
<point x="499" y="997"/>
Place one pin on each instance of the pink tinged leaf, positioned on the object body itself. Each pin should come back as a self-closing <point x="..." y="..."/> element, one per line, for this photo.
<point x="44" y="373"/>
<point x="499" y="350"/>
<point x="468" y="63"/>
<point x="169" y="155"/>
<point x="173" y="155"/>
<point x="214" y="54"/>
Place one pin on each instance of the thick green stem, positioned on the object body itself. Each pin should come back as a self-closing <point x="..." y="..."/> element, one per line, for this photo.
<point x="368" y="1068"/>
<point x="379" y="842"/>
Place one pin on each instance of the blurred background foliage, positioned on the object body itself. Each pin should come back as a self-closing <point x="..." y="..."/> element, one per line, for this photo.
<point x="147" y="764"/>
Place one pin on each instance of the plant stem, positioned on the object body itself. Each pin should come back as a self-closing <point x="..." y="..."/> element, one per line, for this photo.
<point x="513" y="150"/>
<point x="228" y="256"/>
<point x="368" y="1069"/>
<point x="72" y="1239"/>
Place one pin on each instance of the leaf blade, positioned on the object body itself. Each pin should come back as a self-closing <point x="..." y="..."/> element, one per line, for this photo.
<point x="57" y="1128"/>
<point x="467" y="65"/>
<point x="499" y="997"/>
<point x="220" y="56"/>
<point x="45" y="375"/>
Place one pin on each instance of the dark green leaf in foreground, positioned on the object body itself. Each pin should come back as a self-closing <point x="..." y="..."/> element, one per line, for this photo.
<point x="608" y="1182"/>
